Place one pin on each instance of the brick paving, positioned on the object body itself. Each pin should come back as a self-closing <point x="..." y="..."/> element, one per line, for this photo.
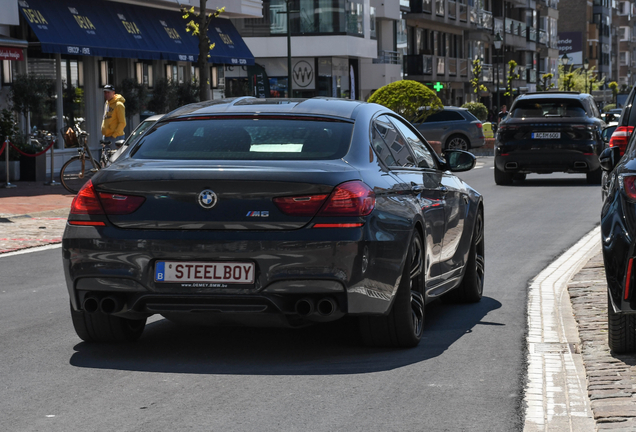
<point x="31" y="215"/>
<point x="611" y="378"/>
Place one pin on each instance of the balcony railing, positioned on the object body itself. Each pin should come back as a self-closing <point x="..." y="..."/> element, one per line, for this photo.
<point x="515" y="27"/>
<point x="439" y="7"/>
<point x="499" y="26"/>
<point x="452" y="67"/>
<point x="418" y="64"/>
<point x="486" y="20"/>
<point x="532" y="74"/>
<point x="388" y="57"/>
<point x="532" y="34"/>
<point x="543" y="37"/>
<point x="452" y="9"/>
<point x="474" y="16"/>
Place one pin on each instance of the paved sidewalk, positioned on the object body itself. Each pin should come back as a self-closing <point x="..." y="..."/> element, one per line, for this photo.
<point x="32" y="214"/>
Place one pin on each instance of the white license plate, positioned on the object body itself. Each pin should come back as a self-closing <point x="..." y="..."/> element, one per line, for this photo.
<point x="546" y="135"/>
<point x="215" y="272"/>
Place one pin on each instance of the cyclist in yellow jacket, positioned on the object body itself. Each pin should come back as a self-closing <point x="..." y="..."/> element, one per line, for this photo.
<point x="114" y="115"/>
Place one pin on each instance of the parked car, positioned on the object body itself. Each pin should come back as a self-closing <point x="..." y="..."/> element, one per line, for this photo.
<point x="606" y="134"/>
<point x="135" y="135"/>
<point x="456" y="128"/>
<point x="274" y="212"/>
<point x="618" y="231"/>
<point x="549" y="132"/>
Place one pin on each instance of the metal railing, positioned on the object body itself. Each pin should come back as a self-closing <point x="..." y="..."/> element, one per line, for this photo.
<point x="463" y="12"/>
<point x="418" y="64"/>
<point x="532" y="34"/>
<point x="388" y="57"/>
<point x="463" y="67"/>
<point x="452" y="66"/>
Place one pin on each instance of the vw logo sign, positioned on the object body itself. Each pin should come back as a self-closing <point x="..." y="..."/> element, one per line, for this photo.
<point x="207" y="199"/>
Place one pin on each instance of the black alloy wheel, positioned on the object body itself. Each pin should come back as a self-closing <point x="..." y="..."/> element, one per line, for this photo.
<point x="101" y="327"/>
<point x="621" y="330"/>
<point x="404" y="324"/>
<point x="595" y="177"/>
<point x="457" y="142"/>
<point x="471" y="289"/>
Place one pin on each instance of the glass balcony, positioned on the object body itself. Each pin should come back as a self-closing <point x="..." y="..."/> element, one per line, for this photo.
<point x="463" y="12"/>
<point x="418" y="64"/>
<point x="441" y="66"/>
<point x="452" y="66"/>
<point x="463" y="67"/>
<point x="452" y="9"/>
<point x="486" y="20"/>
<point x="532" y="75"/>
<point x="532" y="34"/>
<point x="439" y="7"/>
<point x="543" y="37"/>
<point x="486" y="73"/>
<point x="388" y="57"/>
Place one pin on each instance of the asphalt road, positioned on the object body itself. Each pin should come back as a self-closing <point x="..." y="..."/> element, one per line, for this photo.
<point x="467" y="374"/>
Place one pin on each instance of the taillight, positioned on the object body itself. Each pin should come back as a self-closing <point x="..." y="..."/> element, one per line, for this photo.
<point x="629" y="186"/>
<point x="86" y="202"/>
<point x="349" y="199"/>
<point x="479" y="125"/>
<point x="116" y="204"/>
<point x="301" y="205"/>
<point x="620" y="137"/>
<point x="506" y="128"/>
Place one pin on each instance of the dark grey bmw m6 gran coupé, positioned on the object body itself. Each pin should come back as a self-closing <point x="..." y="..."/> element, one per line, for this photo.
<point x="272" y="212"/>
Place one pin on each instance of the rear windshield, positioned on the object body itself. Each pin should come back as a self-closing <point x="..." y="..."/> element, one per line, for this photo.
<point x="548" y="108"/>
<point x="246" y="139"/>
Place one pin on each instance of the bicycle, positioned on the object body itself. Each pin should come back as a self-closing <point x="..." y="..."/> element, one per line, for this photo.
<point x="76" y="171"/>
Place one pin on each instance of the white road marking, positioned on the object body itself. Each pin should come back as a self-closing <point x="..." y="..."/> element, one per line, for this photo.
<point x="29" y="250"/>
<point x="556" y="393"/>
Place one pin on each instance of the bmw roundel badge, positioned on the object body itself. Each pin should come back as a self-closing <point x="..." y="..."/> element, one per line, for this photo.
<point x="207" y="199"/>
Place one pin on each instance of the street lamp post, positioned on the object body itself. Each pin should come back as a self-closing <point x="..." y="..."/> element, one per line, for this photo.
<point x="586" y="66"/>
<point x="498" y="42"/>
<point x="564" y="61"/>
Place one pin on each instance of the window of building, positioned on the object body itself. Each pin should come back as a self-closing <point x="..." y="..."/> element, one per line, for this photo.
<point x="7" y="72"/>
<point x="372" y="23"/>
<point x="143" y="72"/>
<point x="624" y="33"/>
<point x="106" y="72"/>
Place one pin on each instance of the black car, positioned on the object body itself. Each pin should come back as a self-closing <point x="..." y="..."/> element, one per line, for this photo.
<point x="618" y="233"/>
<point x="274" y="212"/>
<point x="549" y="132"/>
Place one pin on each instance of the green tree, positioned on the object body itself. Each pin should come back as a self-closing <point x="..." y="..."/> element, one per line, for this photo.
<point x="136" y="96"/>
<point x="198" y="26"/>
<point x="613" y="86"/>
<point x="546" y="82"/>
<point x="32" y="94"/>
<point x="168" y="95"/>
<point x="477" y="109"/>
<point x="411" y="99"/>
<point x="574" y="80"/>
<point x="475" y="82"/>
<point x="512" y="75"/>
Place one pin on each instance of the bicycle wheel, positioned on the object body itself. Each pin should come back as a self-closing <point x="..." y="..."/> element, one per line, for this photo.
<point x="72" y="176"/>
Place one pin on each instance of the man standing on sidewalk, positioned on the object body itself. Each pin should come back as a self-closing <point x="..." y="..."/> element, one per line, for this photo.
<point x="114" y="115"/>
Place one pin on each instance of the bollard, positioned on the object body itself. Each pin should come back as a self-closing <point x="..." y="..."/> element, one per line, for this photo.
<point x="52" y="182"/>
<point x="6" y="149"/>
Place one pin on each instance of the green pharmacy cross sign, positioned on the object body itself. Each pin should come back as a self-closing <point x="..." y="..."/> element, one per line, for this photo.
<point x="438" y="86"/>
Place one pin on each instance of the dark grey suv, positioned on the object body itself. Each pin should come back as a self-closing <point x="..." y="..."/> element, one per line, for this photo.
<point x="455" y="128"/>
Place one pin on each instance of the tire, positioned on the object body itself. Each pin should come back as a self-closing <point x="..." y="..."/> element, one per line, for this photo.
<point x="621" y="330"/>
<point x="457" y="142"/>
<point x="502" y="178"/>
<point x="594" y="177"/>
<point x="404" y="324"/>
<point x="518" y="177"/>
<point x="471" y="288"/>
<point x="100" y="327"/>
<point x="70" y="173"/>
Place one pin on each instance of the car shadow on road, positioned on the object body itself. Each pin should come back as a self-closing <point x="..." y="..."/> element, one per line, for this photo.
<point x="554" y="182"/>
<point x="326" y="349"/>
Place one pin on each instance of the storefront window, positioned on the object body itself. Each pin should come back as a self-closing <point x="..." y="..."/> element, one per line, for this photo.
<point x="372" y="23"/>
<point x="143" y="73"/>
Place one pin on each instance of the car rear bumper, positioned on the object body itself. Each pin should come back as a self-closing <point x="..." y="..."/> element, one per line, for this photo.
<point x="346" y="266"/>
<point x="547" y="161"/>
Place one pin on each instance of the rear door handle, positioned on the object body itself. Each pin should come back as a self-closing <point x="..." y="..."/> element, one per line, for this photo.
<point x="416" y="187"/>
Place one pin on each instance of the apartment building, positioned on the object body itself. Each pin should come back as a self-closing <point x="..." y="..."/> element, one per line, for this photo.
<point x="339" y="48"/>
<point x="624" y="44"/>
<point x="445" y="36"/>
<point x="585" y="33"/>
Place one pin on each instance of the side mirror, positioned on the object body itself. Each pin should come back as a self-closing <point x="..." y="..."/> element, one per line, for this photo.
<point x="609" y="158"/>
<point x="459" y="160"/>
<point x="119" y="143"/>
<point x="607" y="133"/>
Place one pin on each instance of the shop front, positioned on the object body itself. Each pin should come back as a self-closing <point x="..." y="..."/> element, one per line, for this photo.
<point x="84" y="44"/>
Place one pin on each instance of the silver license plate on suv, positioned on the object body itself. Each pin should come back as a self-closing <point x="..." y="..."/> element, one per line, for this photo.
<point x="546" y="135"/>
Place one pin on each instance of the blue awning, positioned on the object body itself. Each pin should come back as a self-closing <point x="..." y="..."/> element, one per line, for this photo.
<point x="112" y="29"/>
